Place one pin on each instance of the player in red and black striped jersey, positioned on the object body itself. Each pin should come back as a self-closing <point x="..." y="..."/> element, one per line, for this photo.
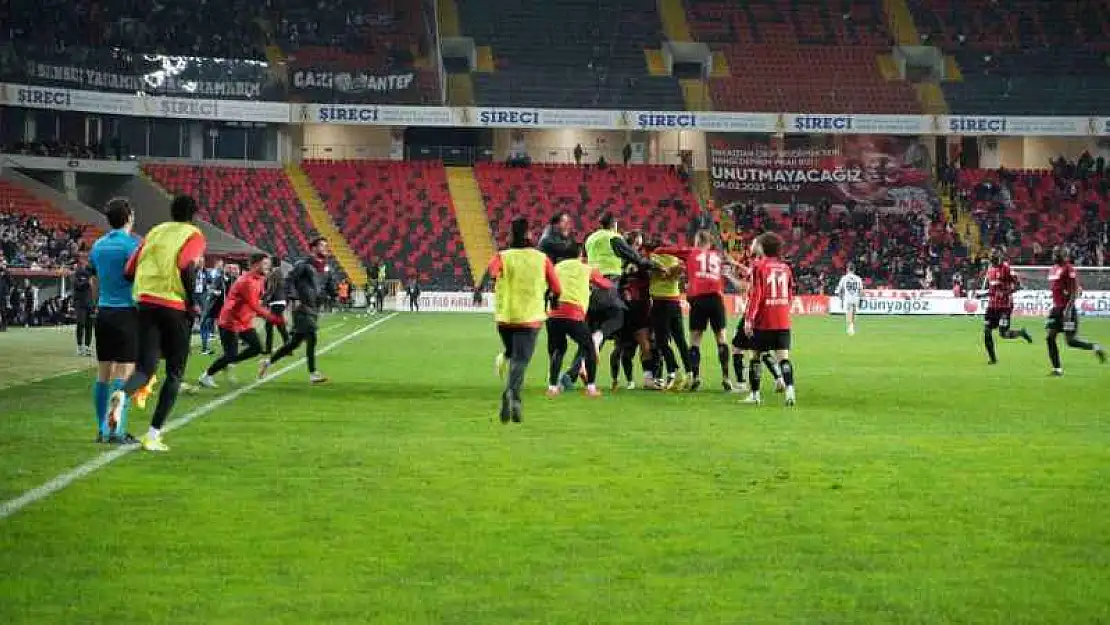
<point x="767" y="318"/>
<point x="636" y="331"/>
<point x="1064" y="282"/>
<point x="705" y="290"/>
<point x="1000" y="283"/>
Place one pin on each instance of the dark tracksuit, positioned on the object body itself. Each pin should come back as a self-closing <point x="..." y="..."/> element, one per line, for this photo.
<point x="311" y="283"/>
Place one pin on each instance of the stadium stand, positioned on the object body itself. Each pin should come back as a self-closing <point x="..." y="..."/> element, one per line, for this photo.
<point x="258" y="205"/>
<point x="35" y="234"/>
<point x="651" y="198"/>
<point x="352" y="39"/>
<point x="789" y="55"/>
<point x="889" y="250"/>
<point x="1023" y="57"/>
<point x="1027" y="212"/>
<point x="121" y="45"/>
<point x="569" y="54"/>
<point x="396" y="212"/>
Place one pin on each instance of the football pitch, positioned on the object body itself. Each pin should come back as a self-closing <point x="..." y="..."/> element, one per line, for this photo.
<point x="912" y="484"/>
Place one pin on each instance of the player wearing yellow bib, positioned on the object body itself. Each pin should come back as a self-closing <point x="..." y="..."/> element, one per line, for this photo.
<point x="665" y="288"/>
<point x="568" y="319"/>
<point x="523" y="275"/>
<point x="608" y="252"/>
<point x="164" y="264"/>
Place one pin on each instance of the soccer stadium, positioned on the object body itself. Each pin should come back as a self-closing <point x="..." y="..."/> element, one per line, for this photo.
<point x="555" y="311"/>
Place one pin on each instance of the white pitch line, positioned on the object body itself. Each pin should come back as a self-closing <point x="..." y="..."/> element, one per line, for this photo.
<point x="10" y="507"/>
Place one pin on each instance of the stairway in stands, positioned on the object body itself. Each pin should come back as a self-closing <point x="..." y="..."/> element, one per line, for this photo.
<point x="695" y="93"/>
<point x="344" y="255"/>
<point x="470" y="212"/>
<point x="901" y="23"/>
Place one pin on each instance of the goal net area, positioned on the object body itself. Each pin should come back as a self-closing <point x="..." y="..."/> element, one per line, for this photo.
<point x="1035" y="277"/>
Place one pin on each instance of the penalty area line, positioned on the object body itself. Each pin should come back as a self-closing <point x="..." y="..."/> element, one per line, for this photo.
<point x="61" y="481"/>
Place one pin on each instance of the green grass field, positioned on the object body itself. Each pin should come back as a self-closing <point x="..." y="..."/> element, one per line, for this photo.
<point x="912" y="484"/>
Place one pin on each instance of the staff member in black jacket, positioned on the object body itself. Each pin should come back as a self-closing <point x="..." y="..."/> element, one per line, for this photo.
<point x="311" y="284"/>
<point x="275" y="299"/>
<point x="413" y="290"/>
<point x="556" y="239"/>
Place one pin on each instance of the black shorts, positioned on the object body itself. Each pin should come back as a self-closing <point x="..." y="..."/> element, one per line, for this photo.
<point x="83" y="314"/>
<point x="771" y="340"/>
<point x="305" y="322"/>
<point x="559" y="330"/>
<point x="638" y="316"/>
<point x="1063" y="319"/>
<point x="707" y="311"/>
<point x="277" y="309"/>
<point x="117" y="338"/>
<point x="742" y="341"/>
<point x="998" y="318"/>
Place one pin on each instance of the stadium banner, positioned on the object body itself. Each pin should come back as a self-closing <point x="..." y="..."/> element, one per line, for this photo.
<point x="444" y="301"/>
<point x="700" y="120"/>
<point x="1012" y="126"/>
<point x="881" y="172"/>
<point x="223" y="110"/>
<point x="374" y="115"/>
<point x="907" y="293"/>
<point x="857" y="124"/>
<point x="537" y="118"/>
<point x="105" y="70"/>
<point x="1026" y="303"/>
<point x="67" y="99"/>
<point x="1038" y="303"/>
<point x="911" y="306"/>
<point x="1100" y="126"/>
<point x="319" y="82"/>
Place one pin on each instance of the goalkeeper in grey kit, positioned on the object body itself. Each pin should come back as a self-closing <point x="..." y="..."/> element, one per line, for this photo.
<point x="311" y="283"/>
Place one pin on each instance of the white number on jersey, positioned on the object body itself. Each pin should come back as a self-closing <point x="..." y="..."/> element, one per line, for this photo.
<point x="777" y="284"/>
<point x="709" y="264"/>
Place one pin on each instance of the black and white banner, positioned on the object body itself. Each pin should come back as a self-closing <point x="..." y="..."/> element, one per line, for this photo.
<point x="354" y="87"/>
<point x="352" y="82"/>
<point x="161" y="75"/>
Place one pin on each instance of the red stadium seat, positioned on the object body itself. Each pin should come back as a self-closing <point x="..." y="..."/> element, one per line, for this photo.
<point x="258" y="205"/>
<point x="650" y="198"/>
<point x="399" y="212"/>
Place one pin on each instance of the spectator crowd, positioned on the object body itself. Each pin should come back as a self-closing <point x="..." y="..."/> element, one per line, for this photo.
<point x="26" y="244"/>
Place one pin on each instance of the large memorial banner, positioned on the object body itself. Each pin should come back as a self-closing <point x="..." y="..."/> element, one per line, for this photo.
<point x="874" y="171"/>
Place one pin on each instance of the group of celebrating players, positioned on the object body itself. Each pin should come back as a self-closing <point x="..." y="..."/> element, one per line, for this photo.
<point x="613" y="286"/>
<point x="617" y="286"/>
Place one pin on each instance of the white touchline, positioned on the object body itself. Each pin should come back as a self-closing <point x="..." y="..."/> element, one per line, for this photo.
<point x="63" y="480"/>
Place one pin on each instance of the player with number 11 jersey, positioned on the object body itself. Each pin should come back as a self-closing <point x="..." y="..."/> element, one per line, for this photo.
<point x="767" y="318"/>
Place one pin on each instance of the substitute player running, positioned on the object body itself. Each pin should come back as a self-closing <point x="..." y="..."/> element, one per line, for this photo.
<point x="311" y="282"/>
<point x="1064" y="282"/>
<point x="275" y="299"/>
<point x="705" y="293"/>
<point x="1000" y="284"/>
<point x="849" y="290"/>
<point x="523" y="275"/>
<point x="767" y="318"/>
<point x="568" y="320"/>
<point x="242" y="304"/>
<point x="164" y="264"/>
<point x="116" y="323"/>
